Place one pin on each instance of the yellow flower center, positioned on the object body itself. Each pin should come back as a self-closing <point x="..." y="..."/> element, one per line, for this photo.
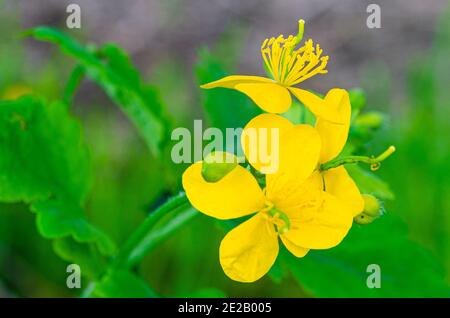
<point x="278" y="218"/>
<point x="289" y="66"/>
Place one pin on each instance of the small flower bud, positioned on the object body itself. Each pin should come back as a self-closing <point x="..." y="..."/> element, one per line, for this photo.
<point x="371" y="120"/>
<point x="372" y="210"/>
<point x="363" y="219"/>
<point x="372" y="206"/>
<point x="217" y="165"/>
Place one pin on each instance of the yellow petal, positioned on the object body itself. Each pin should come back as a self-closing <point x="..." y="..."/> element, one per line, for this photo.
<point x="334" y="135"/>
<point x="249" y="250"/>
<point x="294" y="196"/>
<point x="321" y="228"/>
<point x="316" y="105"/>
<point x="342" y="186"/>
<point x="298" y="157"/>
<point x="266" y="93"/>
<point x="297" y="251"/>
<point x="261" y="137"/>
<point x="235" y="195"/>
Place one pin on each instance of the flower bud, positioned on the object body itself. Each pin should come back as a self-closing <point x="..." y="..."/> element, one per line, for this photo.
<point x="372" y="206"/>
<point x="372" y="120"/>
<point x="372" y="210"/>
<point x="363" y="219"/>
<point x="217" y="165"/>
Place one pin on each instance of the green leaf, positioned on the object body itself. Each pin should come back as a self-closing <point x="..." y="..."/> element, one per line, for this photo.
<point x="44" y="162"/>
<point x="91" y="262"/>
<point x="369" y="183"/>
<point x="72" y="84"/>
<point x="61" y="219"/>
<point x="407" y="269"/>
<point x="122" y="284"/>
<point x="42" y="153"/>
<point x="111" y="68"/>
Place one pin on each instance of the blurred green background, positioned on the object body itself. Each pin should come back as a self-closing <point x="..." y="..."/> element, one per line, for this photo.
<point x="403" y="68"/>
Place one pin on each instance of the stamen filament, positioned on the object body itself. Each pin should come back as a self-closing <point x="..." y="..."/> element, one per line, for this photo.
<point x="279" y="215"/>
<point x="289" y="66"/>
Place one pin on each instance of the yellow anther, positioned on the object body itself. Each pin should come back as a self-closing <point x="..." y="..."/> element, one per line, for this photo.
<point x="278" y="218"/>
<point x="288" y="66"/>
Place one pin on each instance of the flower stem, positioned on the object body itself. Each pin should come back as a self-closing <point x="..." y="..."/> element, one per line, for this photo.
<point x="155" y="237"/>
<point x="136" y="247"/>
<point x="73" y="83"/>
<point x="375" y="162"/>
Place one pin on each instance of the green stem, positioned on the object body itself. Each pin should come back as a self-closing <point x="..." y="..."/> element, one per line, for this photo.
<point x="374" y="162"/>
<point x="134" y="245"/>
<point x="73" y="83"/>
<point x="145" y="238"/>
<point x="154" y="238"/>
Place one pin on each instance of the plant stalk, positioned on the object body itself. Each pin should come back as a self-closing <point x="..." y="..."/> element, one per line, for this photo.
<point x="136" y="246"/>
<point x="373" y="161"/>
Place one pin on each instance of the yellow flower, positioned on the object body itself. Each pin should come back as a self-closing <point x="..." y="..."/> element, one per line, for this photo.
<point x="333" y="135"/>
<point x="336" y="181"/>
<point x="288" y="66"/>
<point x="304" y="207"/>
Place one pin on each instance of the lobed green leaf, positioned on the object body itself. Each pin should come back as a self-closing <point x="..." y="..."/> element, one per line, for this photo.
<point x="44" y="162"/>
<point x="112" y="70"/>
<point x="122" y="284"/>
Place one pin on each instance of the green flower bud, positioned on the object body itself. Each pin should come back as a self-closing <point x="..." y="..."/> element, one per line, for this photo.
<point x="217" y="165"/>
<point x="363" y="219"/>
<point x="372" y="210"/>
<point x="371" y="120"/>
<point x="372" y="206"/>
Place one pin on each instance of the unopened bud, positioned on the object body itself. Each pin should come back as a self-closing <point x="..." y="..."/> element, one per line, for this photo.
<point x="372" y="210"/>
<point x="217" y="165"/>
<point x="372" y="206"/>
<point x="371" y="120"/>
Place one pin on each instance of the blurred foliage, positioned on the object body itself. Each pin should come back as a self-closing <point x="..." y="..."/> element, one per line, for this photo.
<point x="91" y="187"/>
<point x="119" y="79"/>
<point x="121" y="283"/>
<point x="341" y="271"/>
<point x="55" y="182"/>
<point x="421" y="177"/>
<point x="223" y="107"/>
